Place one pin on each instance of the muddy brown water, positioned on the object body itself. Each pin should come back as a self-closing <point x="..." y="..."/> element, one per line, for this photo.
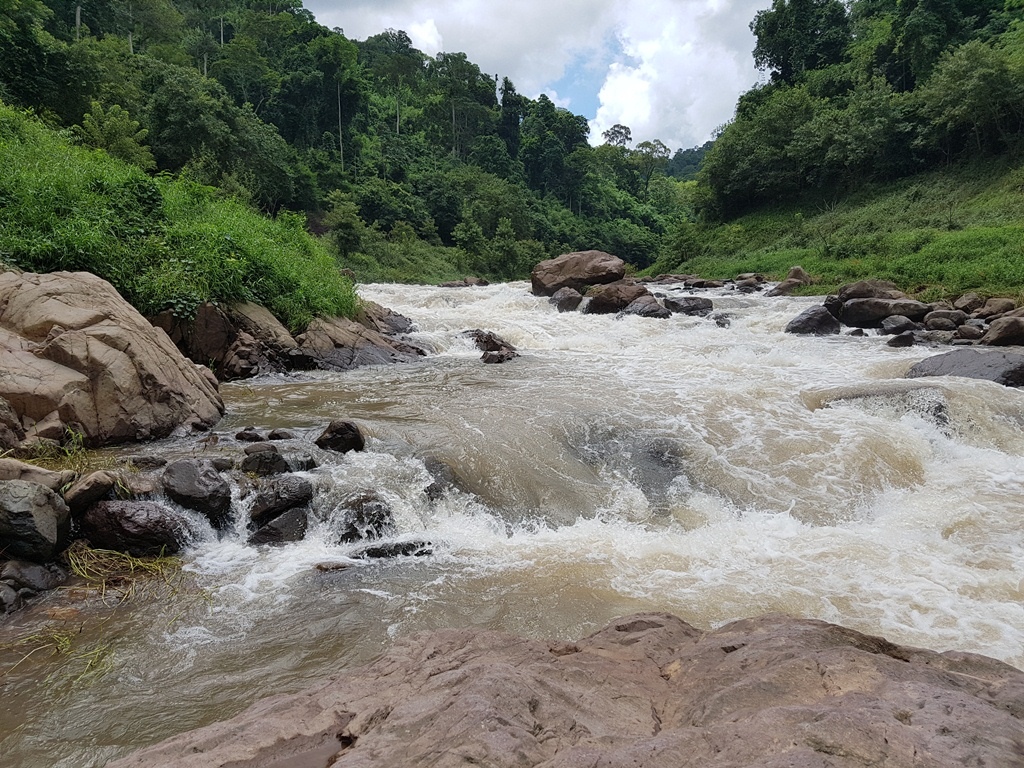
<point x="617" y="466"/>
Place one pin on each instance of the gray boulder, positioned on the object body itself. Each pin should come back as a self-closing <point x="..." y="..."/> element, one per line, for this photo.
<point x="1006" y="368"/>
<point x="35" y="523"/>
<point x="140" y="528"/>
<point x="196" y="484"/>
<point x="898" y="324"/>
<point x="279" y="495"/>
<point x="870" y="289"/>
<point x="695" y="306"/>
<point x="566" y="299"/>
<point x="646" y="306"/>
<point x="869" y="313"/>
<point x="1003" y="332"/>
<point x="817" y="321"/>
<point x="288" y="526"/>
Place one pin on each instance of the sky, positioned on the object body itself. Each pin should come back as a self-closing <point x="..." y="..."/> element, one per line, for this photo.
<point x="668" y="69"/>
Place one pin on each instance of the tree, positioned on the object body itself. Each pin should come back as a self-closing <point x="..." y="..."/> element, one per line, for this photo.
<point x="114" y="131"/>
<point x="618" y="136"/>
<point x="649" y="157"/>
<point x="794" y="36"/>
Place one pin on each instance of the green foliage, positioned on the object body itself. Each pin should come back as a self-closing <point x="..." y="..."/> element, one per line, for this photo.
<point x="164" y="243"/>
<point x="114" y="131"/>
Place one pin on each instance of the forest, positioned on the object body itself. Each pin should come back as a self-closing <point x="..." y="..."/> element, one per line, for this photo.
<point x="408" y="166"/>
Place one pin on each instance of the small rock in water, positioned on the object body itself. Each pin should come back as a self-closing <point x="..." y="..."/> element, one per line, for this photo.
<point x="250" y="435"/>
<point x="905" y="339"/>
<point x="265" y="463"/>
<point x="281" y="434"/>
<point x="396" y="549"/>
<point x="342" y="437"/>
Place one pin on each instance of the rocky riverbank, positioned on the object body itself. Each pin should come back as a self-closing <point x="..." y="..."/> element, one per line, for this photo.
<point x="646" y="691"/>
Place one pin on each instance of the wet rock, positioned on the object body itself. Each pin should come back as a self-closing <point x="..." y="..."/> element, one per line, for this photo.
<point x="444" y="477"/>
<point x="869" y="313"/>
<point x="934" y="337"/>
<point x="870" y="289"/>
<point x="221" y="463"/>
<point x="92" y="488"/>
<point x="38" y="578"/>
<point x="288" y="526"/>
<point x="140" y="528"/>
<point x="858" y="332"/>
<point x="721" y="319"/>
<point x="834" y="305"/>
<point x="817" y="321"/>
<point x="300" y="462"/>
<point x="249" y="435"/>
<point x="1003" y="332"/>
<point x="263" y="463"/>
<point x="196" y="484"/>
<point x="695" y="306"/>
<point x="939" y="323"/>
<point x="395" y="549"/>
<point x="647" y="691"/>
<point x="35" y="523"/>
<point x="281" y="434"/>
<point x="277" y="496"/>
<point x="342" y="437"/>
<point x="466" y="282"/>
<point x="995" y="307"/>
<point x="12" y="469"/>
<point x="9" y="599"/>
<point x="495" y="349"/>
<point x="1006" y="368"/>
<point x="566" y="299"/>
<point x="77" y="355"/>
<point x="365" y="517"/>
<point x="904" y="339"/>
<point x="260" y="447"/>
<point x="897" y="324"/>
<point x="576" y="270"/>
<point x="613" y="297"/>
<point x="646" y="306"/>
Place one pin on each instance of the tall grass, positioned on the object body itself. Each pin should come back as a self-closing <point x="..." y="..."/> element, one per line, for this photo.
<point x="943" y="233"/>
<point x="164" y="243"/>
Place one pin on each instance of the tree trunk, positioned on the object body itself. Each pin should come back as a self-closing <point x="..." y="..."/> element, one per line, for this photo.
<point x="78" y="22"/>
<point x="341" y="144"/>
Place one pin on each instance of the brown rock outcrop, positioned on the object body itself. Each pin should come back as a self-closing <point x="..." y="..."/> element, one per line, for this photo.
<point x="576" y="270"/>
<point x="648" y="690"/>
<point x="339" y="344"/>
<point x="613" y="297"/>
<point x="77" y="355"/>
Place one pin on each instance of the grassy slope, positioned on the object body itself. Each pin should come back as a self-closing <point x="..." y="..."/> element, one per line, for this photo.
<point x="937" y="234"/>
<point x="164" y="242"/>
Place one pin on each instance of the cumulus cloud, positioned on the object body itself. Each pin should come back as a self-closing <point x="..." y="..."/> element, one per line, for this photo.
<point x="669" y="69"/>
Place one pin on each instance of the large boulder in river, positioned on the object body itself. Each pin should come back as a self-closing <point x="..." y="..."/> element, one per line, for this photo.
<point x="695" y="306"/>
<point x="816" y="321"/>
<point x="1004" y="332"/>
<point x="868" y="313"/>
<point x="646" y="306"/>
<point x="78" y="356"/>
<point x="577" y="271"/>
<point x="870" y="289"/>
<point x="339" y="344"/>
<point x="566" y="299"/>
<point x="1006" y="368"/>
<point x="613" y="297"/>
<point x="35" y="524"/>
<point x="647" y="691"/>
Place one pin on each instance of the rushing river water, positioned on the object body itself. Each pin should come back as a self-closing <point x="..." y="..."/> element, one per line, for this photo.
<point x="618" y="465"/>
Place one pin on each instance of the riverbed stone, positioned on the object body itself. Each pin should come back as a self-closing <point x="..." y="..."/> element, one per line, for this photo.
<point x="365" y="516"/>
<point x="92" y="488"/>
<point x="341" y="437"/>
<point x="12" y="469"/>
<point x="21" y="574"/>
<point x="969" y="302"/>
<point x="265" y="462"/>
<point x="1000" y="366"/>
<point x="340" y="344"/>
<point x="139" y="528"/>
<point x="695" y="306"/>
<point x="196" y="484"/>
<point x="278" y="495"/>
<point x="817" y="321"/>
<point x="1003" y="332"/>
<point x="897" y="324"/>
<point x="903" y="339"/>
<point x="495" y="349"/>
<point x="994" y="307"/>
<point x="870" y="289"/>
<point x="289" y="526"/>
<point x="613" y="297"/>
<point x="35" y="523"/>
<point x="576" y="270"/>
<point x="870" y="312"/>
<point x="566" y="299"/>
<point x="646" y="691"/>
<point x="646" y="306"/>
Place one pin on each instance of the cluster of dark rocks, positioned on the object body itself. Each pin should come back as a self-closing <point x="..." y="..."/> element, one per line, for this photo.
<point x="150" y="506"/>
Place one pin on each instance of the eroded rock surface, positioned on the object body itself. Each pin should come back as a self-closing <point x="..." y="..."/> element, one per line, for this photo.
<point x="576" y="270"/>
<point x="647" y="691"/>
<point x="78" y="356"/>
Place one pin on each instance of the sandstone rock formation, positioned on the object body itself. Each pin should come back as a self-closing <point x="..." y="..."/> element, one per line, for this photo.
<point x="78" y="356"/>
<point x="648" y="691"/>
<point x="576" y="270"/>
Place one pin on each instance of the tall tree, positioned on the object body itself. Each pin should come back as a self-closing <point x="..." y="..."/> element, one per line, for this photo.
<point x="794" y="36"/>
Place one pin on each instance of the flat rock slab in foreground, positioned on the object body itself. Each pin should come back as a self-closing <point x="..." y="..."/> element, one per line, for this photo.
<point x="648" y="690"/>
<point x="1006" y="368"/>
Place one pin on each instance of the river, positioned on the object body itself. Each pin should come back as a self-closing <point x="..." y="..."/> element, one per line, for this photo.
<point x="618" y="465"/>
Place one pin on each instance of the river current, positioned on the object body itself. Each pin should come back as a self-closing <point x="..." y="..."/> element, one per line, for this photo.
<point x="618" y="465"/>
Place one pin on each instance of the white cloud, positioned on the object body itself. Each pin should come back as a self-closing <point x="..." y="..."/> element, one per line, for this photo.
<point x="671" y="69"/>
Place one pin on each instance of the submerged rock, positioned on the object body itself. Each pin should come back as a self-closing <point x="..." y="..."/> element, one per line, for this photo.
<point x="647" y="691"/>
<point x="495" y="349"/>
<point x="646" y="306"/>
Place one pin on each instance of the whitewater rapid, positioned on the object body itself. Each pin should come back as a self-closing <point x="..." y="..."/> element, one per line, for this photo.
<point x="617" y="465"/>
